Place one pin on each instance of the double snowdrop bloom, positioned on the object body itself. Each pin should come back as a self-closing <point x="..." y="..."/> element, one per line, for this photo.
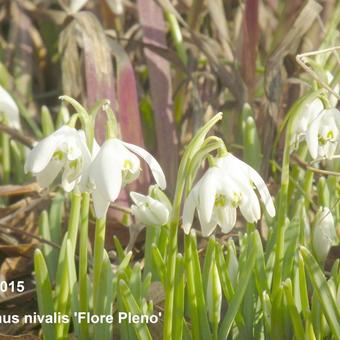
<point x="319" y="126"/>
<point x="222" y="189"/>
<point x="322" y="136"/>
<point x="9" y="109"/>
<point x="116" y="165"/>
<point x="304" y="120"/>
<point x="148" y="210"/>
<point x="64" y="151"/>
<point x="323" y="233"/>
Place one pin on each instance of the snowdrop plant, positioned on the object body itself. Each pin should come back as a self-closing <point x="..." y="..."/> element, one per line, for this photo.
<point x="224" y="187"/>
<point x="240" y="273"/>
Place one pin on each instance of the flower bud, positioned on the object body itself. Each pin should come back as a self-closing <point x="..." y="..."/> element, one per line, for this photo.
<point x="323" y="233"/>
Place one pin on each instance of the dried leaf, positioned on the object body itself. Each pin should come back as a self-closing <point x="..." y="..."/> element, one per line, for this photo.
<point x="154" y="32"/>
<point x="128" y="107"/>
<point x="250" y="42"/>
<point x="17" y="190"/>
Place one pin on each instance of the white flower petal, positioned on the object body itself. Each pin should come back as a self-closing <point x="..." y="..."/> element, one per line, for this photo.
<point x="100" y="204"/>
<point x="189" y="211"/>
<point x="207" y="227"/>
<point x="207" y="192"/>
<point x="9" y="108"/>
<point x="250" y="209"/>
<point x="312" y="137"/>
<point x="49" y="173"/>
<point x="226" y="218"/>
<point x="323" y="233"/>
<point x="261" y="186"/>
<point x="159" y="211"/>
<point x="41" y="154"/>
<point x="156" y="169"/>
<point x="138" y="198"/>
<point x="105" y="171"/>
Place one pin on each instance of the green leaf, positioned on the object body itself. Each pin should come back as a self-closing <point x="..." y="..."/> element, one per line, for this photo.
<point x="46" y="121"/>
<point x="178" y="320"/>
<point x="104" y="302"/>
<point x="73" y="286"/>
<point x="294" y="314"/>
<point x="323" y="292"/>
<point x="245" y="274"/>
<point x="44" y="293"/>
<point x="159" y="262"/>
<point x="44" y="230"/>
<point x="199" y="291"/>
<point x="131" y="306"/>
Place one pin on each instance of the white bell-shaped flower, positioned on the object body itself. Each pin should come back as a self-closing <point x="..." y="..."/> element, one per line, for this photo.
<point x="9" y="109"/>
<point x="323" y="233"/>
<point x="115" y="165"/>
<point x="148" y="210"/>
<point x="222" y="189"/>
<point x="304" y="120"/>
<point x="64" y="150"/>
<point x="322" y="136"/>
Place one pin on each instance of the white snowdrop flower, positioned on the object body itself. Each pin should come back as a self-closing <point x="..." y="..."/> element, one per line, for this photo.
<point x="64" y="150"/>
<point x="9" y="109"/>
<point x="115" y="165"/>
<point x="222" y="189"/>
<point x="322" y="136"/>
<point x="148" y="210"/>
<point x="304" y="120"/>
<point x="323" y="233"/>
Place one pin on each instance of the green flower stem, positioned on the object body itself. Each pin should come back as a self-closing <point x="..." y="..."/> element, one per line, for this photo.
<point x="190" y="151"/>
<point x="211" y="144"/>
<point x="152" y="234"/>
<point x="177" y="37"/>
<point x="84" y="117"/>
<point x="99" y="240"/>
<point x="63" y="296"/>
<point x="83" y="288"/>
<point x="74" y="220"/>
<point x="283" y="202"/>
<point x="6" y="159"/>
<point x="180" y="76"/>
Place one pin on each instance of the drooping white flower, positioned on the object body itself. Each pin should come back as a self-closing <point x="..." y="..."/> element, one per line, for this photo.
<point x="304" y="120"/>
<point x="322" y="136"/>
<point x="115" y="165"/>
<point x="9" y="109"/>
<point x="65" y="151"/>
<point x="323" y="233"/>
<point x="222" y="189"/>
<point x="148" y="210"/>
